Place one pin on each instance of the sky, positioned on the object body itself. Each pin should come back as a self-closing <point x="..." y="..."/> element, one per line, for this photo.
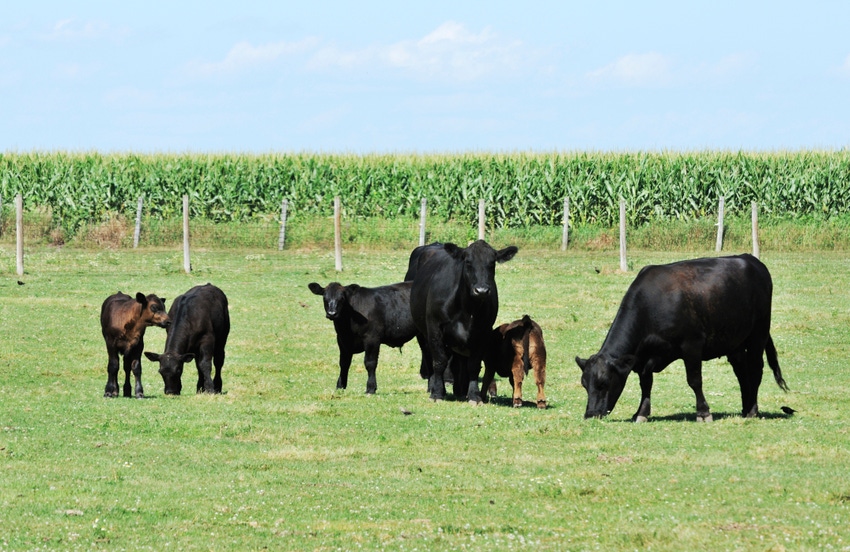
<point x="424" y="77"/>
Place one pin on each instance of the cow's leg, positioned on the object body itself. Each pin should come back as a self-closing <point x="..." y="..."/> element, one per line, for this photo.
<point x="749" y="368"/>
<point x="645" y="407"/>
<point x="218" y="362"/>
<point x="344" y="366"/>
<point x="693" y="369"/>
<point x="439" y="360"/>
<point x="537" y="356"/>
<point x="473" y="370"/>
<point x="370" y="360"/>
<point x="204" y="364"/>
<point x="486" y="380"/>
<point x="458" y="375"/>
<point x="517" y="375"/>
<point x="136" y="368"/>
<point x="112" y="367"/>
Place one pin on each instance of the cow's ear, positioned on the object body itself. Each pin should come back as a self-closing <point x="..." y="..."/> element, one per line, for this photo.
<point x="316" y="288"/>
<point x="140" y="297"/>
<point x="506" y="254"/>
<point x="582" y="362"/>
<point x="187" y="357"/>
<point x="153" y="357"/>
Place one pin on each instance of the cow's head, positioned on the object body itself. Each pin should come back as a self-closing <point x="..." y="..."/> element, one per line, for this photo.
<point x="604" y="379"/>
<point x="479" y="266"/>
<point x="153" y="310"/>
<point x="335" y="297"/>
<point x="171" y="369"/>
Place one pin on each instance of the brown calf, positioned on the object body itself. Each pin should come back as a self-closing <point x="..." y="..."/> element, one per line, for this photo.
<point x="516" y="348"/>
<point x="123" y="321"/>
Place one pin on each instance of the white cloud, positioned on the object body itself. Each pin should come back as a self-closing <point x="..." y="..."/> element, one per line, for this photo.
<point x="451" y="51"/>
<point x="650" y="69"/>
<point x="245" y="55"/>
<point x="72" y="29"/>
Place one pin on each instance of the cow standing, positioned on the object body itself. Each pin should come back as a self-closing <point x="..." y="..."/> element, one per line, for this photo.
<point x="515" y="349"/>
<point x="454" y="302"/>
<point x="364" y="319"/>
<point x="691" y="310"/>
<point x="200" y="324"/>
<point x="123" y="321"/>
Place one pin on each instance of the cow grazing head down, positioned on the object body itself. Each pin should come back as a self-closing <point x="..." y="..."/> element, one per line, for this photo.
<point x="604" y="380"/>
<point x="153" y="311"/>
<point x="171" y="369"/>
<point x="335" y="297"/>
<point x="479" y="266"/>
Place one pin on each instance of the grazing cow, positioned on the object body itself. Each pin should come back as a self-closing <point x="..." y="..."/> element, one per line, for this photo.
<point x="691" y="310"/>
<point x="364" y="319"/>
<point x="123" y="321"/>
<point x="454" y="302"/>
<point x="200" y="324"/>
<point x="515" y="349"/>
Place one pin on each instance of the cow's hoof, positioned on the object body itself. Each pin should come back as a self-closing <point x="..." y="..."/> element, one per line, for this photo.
<point x="110" y="395"/>
<point x="517" y="403"/>
<point x="436" y="399"/>
<point x="473" y="402"/>
<point x="542" y="404"/>
<point x="641" y="419"/>
<point x="140" y="395"/>
<point x="704" y="418"/>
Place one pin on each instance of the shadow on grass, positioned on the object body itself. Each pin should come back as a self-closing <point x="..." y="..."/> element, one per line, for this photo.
<point x="692" y="417"/>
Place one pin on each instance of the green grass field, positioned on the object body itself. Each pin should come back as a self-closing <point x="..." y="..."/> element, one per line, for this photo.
<point x="282" y="461"/>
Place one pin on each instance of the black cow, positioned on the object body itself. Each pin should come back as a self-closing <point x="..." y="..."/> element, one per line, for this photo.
<point x="691" y="310"/>
<point x="364" y="319"/>
<point x="123" y="321"/>
<point x="200" y="324"/>
<point x="454" y="302"/>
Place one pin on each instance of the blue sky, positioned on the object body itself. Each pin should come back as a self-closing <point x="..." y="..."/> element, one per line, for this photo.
<point x="401" y="77"/>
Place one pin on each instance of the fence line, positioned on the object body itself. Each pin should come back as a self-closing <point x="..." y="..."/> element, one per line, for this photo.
<point x="721" y="206"/>
<point x="482" y="225"/>
<point x="187" y="264"/>
<point x="19" y="229"/>
<point x="281" y="238"/>
<point x="138" y="229"/>
<point x="337" y="235"/>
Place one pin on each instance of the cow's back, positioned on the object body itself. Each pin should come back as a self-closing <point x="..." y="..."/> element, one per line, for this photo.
<point x="719" y="300"/>
<point x="386" y="310"/>
<point x="118" y="312"/>
<point x="201" y="311"/>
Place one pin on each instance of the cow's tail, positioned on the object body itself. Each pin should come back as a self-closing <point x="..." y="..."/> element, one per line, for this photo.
<point x="527" y="327"/>
<point x="773" y="362"/>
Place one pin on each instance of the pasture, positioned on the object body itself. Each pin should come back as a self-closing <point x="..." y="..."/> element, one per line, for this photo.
<point x="281" y="460"/>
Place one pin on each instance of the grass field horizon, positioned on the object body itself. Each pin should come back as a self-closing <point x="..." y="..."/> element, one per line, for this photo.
<point x="282" y="460"/>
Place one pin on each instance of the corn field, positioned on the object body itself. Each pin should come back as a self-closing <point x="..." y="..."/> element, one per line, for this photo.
<point x="520" y="189"/>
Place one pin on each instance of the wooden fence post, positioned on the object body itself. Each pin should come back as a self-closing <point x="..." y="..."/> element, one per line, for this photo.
<point x="281" y="238"/>
<point x="565" y="237"/>
<point x="187" y="265"/>
<point x="138" y="229"/>
<point x="720" y="209"/>
<point x="755" y="230"/>
<point x="623" y="265"/>
<point x="422" y="212"/>
<point x="19" y="229"/>
<point x="482" y="219"/>
<point x="337" y="235"/>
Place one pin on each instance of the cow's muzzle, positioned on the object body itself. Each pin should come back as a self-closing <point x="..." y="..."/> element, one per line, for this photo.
<point x="480" y="291"/>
